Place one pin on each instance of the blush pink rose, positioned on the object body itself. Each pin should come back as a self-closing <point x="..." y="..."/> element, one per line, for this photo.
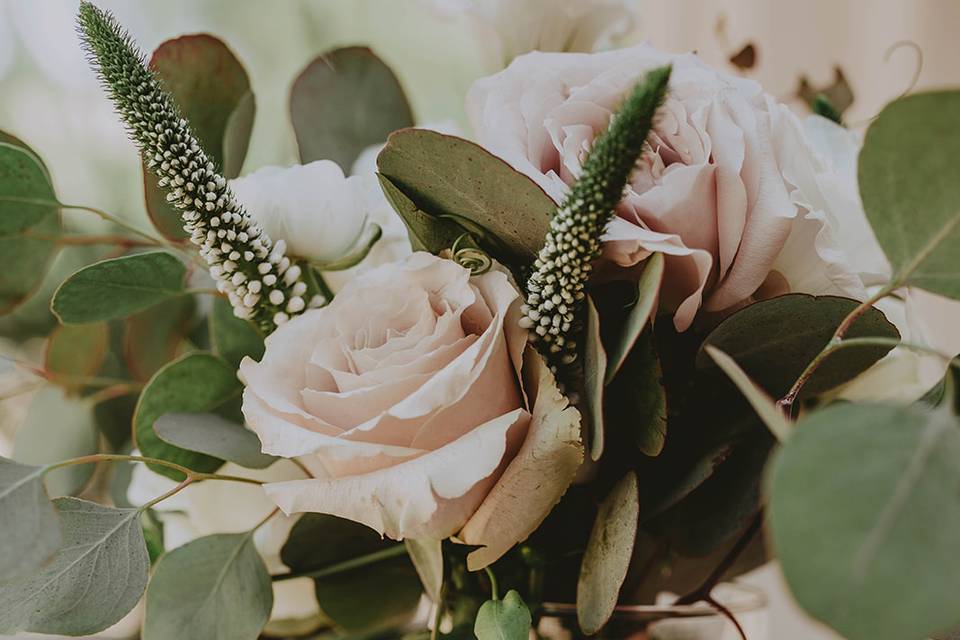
<point x="405" y="398"/>
<point x="732" y="191"/>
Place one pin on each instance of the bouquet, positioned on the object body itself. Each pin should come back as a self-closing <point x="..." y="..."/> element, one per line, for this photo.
<point x="646" y="331"/>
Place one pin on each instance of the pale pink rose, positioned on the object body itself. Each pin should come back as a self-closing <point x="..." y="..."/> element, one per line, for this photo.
<point x="404" y="397"/>
<point x="732" y="191"/>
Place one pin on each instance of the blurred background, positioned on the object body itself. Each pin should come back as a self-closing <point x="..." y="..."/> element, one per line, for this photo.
<point x="860" y="53"/>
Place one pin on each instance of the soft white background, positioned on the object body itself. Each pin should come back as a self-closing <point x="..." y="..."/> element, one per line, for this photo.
<point x="52" y="100"/>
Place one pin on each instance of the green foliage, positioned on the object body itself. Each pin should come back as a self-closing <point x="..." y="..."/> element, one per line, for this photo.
<point x="864" y="514"/>
<point x="824" y="108"/>
<point x="233" y="338"/>
<point x="648" y="290"/>
<point x="450" y="178"/>
<point x="343" y="102"/>
<point x="773" y="341"/>
<point x="427" y="558"/>
<point x="594" y="366"/>
<point x="31" y="527"/>
<point x="637" y="401"/>
<point x="213" y="588"/>
<point x="75" y="352"/>
<point x="197" y="382"/>
<point x="608" y="554"/>
<point x="154" y="337"/>
<point x="58" y="426"/>
<point x="95" y="579"/>
<point x="426" y="232"/>
<point x="30" y="252"/>
<point x="355" y="595"/>
<point x="212" y="89"/>
<point x="507" y="619"/>
<point x="119" y="287"/>
<point x="214" y="436"/>
<point x="910" y="186"/>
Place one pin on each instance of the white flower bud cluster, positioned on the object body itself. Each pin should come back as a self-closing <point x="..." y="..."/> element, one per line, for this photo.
<point x="256" y="275"/>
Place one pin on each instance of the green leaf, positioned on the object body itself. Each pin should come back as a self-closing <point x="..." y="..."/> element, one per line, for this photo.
<point x="26" y="195"/>
<point x="608" y="554"/>
<point x="507" y="619"/>
<point x="864" y="514"/>
<point x="30" y="525"/>
<point x="118" y="287"/>
<point x="197" y="382"/>
<point x="154" y="337"/>
<point x="427" y="558"/>
<point x="28" y="254"/>
<point x="910" y="186"/>
<point x="213" y="588"/>
<point x="775" y="339"/>
<point x="594" y="364"/>
<point x="75" y="352"/>
<point x="213" y="435"/>
<point x="369" y="596"/>
<point x="648" y="288"/>
<point x="233" y="338"/>
<point x="763" y="404"/>
<point x="95" y="579"/>
<point x="449" y="176"/>
<point x="426" y="232"/>
<point x="213" y="92"/>
<point x="636" y="401"/>
<point x="343" y="102"/>
<point x="58" y="427"/>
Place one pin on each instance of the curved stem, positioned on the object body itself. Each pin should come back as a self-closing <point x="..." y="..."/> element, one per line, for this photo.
<point x="353" y="563"/>
<point x="266" y="519"/>
<point x="494" y="590"/>
<point x="191" y="475"/>
<point x="177" y="489"/>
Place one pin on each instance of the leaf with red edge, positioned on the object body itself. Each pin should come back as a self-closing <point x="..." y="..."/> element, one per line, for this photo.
<point x="75" y="352"/>
<point x="155" y="337"/>
<point x="213" y="91"/>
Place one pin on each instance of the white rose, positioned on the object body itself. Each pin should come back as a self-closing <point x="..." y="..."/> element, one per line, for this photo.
<point x="205" y="508"/>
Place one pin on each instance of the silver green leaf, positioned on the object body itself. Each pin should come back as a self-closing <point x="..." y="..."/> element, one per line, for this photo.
<point x="213" y="435"/>
<point x="507" y="619"/>
<point x="95" y="579"/>
<point x="30" y="532"/>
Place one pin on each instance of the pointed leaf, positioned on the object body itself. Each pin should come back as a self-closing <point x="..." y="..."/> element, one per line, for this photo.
<point x="448" y="176"/>
<point x="213" y="435"/>
<point x="910" y="185"/>
<point x="213" y="588"/>
<point x="95" y="579"/>
<point x="864" y="514"/>
<point x="648" y="289"/>
<point x="343" y="102"/>
<point x="594" y="364"/>
<point x="608" y="554"/>
<point x="197" y="382"/>
<point x="30" y="526"/>
<point x="118" y="287"/>
<point x="507" y="619"/>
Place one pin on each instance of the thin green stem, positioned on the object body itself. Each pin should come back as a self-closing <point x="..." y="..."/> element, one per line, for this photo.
<point x="494" y="590"/>
<point x="347" y="565"/>
<point x="186" y="482"/>
<point x="266" y="519"/>
<point x="192" y="475"/>
<point x="951" y="360"/>
<point x="91" y="239"/>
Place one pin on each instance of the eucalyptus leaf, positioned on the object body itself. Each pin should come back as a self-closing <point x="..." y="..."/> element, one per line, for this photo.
<point x="214" y="436"/>
<point x="233" y="338"/>
<point x="93" y="581"/>
<point x="763" y="404"/>
<point x="26" y="195"/>
<point x="343" y="102"/>
<point x="75" y="352"/>
<point x="118" y="287"/>
<point x="212" y="89"/>
<point x="910" y="185"/>
<point x="774" y="340"/>
<point x="507" y="619"/>
<point x="197" y="382"/>
<point x="448" y="176"/>
<point x="426" y="232"/>
<point x="608" y="554"/>
<point x="864" y="514"/>
<point x="58" y="427"/>
<point x="30" y="532"/>
<point x="154" y="337"/>
<point x="356" y="595"/>
<point x="636" y="403"/>
<point x="648" y="289"/>
<point x="213" y="588"/>
<point x="594" y="364"/>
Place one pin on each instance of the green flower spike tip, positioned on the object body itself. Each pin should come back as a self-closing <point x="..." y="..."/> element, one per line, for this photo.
<point x="262" y="284"/>
<point x="556" y="289"/>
